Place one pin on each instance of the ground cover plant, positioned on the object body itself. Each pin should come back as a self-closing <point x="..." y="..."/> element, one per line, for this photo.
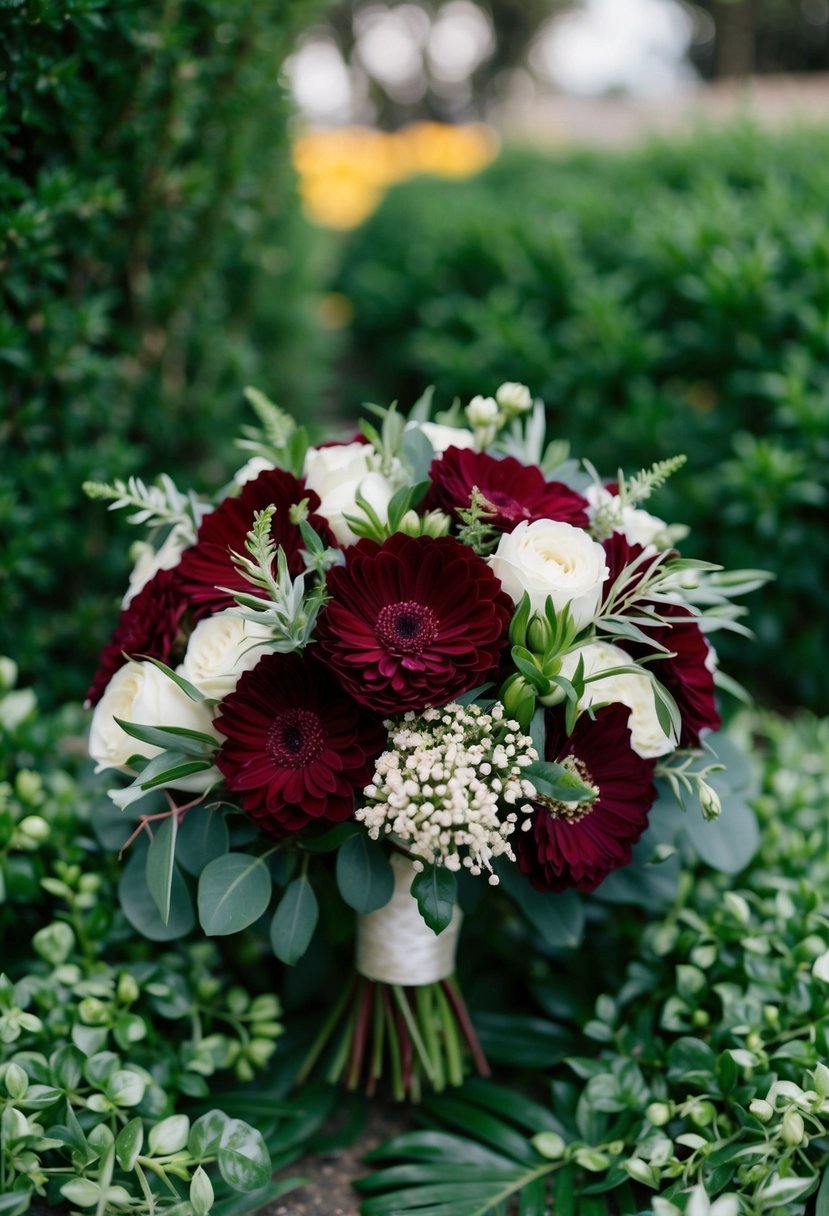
<point x="669" y="299"/>
<point x="125" y="1069"/>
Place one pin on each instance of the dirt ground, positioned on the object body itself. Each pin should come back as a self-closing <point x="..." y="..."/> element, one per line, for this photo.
<point x="329" y="1192"/>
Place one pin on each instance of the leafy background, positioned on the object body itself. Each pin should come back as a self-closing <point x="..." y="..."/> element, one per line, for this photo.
<point x="153" y="263"/>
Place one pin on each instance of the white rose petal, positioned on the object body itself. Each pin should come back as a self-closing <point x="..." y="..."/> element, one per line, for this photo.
<point x="220" y="648"/>
<point x="336" y="474"/>
<point x="636" y="691"/>
<point x="251" y="470"/>
<point x="149" y="560"/>
<point x="548" y="557"/>
<point x="141" y="693"/>
<point x="443" y="437"/>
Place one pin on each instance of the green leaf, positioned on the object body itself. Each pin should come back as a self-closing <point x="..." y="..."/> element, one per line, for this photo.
<point x="294" y="921"/>
<point x="555" y="781"/>
<point x="822" y="1200"/>
<point x="186" y="687"/>
<point x="727" y="843"/>
<point x="234" y="891"/>
<point x="173" y="738"/>
<point x="206" y="1133"/>
<point x="436" y="889"/>
<point x="202" y="837"/>
<point x="128" y="1144"/>
<point x="141" y="910"/>
<point x="161" y="864"/>
<point x="243" y="1159"/>
<point x="559" y="918"/>
<point x="364" y="875"/>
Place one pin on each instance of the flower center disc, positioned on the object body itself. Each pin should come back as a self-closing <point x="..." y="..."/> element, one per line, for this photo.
<point x="407" y="627"/>
<point x="296" y="738"/>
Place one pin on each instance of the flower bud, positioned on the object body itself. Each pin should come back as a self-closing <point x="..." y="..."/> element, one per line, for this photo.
<point x="54" y="943"/>
<point x="514" y="398"/>
<point x="822" y="1080"/>
<point x="539" y="634"/>
<point x="28" y="786"/>
<point x="127" y="990"/>
<point x="761" y="1109"/>
<point x="659" y="1113"/>
<point x="702" y="1113"/>
<point x="259" y="1051"/>
<point x="709" y="801"/>
<point x="93" y="1012"/>
<point x="793" y="1128"/>
<point x="482" y="411"/>
<point x="518" y="698"/>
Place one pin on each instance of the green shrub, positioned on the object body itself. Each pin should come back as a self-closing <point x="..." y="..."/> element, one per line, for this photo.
<point x="671" y="299"/>
<point x="152" y="263"/>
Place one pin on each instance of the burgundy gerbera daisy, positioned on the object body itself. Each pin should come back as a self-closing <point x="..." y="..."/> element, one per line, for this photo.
<point x="412" y="622"/>
<point x="516" y="491"/>
<point x="578" y="845"/>
<point x="149" y="625"/>
<point x="207" y="565"/>
<point x="296" y="746"/>
<point x="685" y="675"/>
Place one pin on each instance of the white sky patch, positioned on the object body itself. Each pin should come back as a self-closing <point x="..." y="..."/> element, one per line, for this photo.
<point x="637" y="46"/>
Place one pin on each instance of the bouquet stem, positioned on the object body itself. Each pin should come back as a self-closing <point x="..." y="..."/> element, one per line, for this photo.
<point x="417" y="1028"/>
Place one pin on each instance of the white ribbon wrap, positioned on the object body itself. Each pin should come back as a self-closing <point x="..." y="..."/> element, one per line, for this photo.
<point x="396" y="946"/>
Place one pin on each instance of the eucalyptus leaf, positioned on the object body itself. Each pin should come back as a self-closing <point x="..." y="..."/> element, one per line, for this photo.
<point x="435" y="888"/>
<point x="234" y="891"/>
<point x="160" y="867"/>
<point x="364" y="875"/>
<point x="294" y="921"/>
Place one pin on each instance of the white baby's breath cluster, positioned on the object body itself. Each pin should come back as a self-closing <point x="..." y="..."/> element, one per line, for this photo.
<point x="439" y="786"/>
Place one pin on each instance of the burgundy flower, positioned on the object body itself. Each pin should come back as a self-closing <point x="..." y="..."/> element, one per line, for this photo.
<point x="412" y="622"/>
<point x="149" y="625"/>
<point x="578" y="845"/>
<point x="516" y="491"/>
<point x="685" y="675"/>
<point x="207" y="565"/>
<point x="296" y="746"/>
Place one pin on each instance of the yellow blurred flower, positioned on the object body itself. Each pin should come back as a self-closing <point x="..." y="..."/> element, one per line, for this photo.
<point x="344" y="172"/>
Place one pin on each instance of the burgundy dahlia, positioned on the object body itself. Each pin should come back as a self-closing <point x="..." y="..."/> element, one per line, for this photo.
<point x="516" y="491"/>
<point x="149" y="625"/>
<point x="578" y="845"/>
<point x="207" y="565"/>
<point x="413" y="622"/>
<point x="296" y="747"/>
<point x="688" y="675"/>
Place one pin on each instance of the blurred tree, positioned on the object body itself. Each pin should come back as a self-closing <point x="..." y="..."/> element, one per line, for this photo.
<point x="746" y="37"/>
<point x="447" y="62"/>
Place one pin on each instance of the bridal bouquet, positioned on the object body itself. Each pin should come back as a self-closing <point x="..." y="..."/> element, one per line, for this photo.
<point x="377" y="670"/>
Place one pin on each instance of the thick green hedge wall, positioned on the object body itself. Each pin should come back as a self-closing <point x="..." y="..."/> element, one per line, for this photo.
<point x="152" y="263"/>
<point x="671" y="299"/>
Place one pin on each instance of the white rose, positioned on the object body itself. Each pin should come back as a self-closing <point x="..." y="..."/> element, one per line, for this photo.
<point x="552" y="558"/>
<point x="149" y="560"/>
<point x="252" y="469"/>
<point x="636" y="691"/>
<point x="141" y="693"/>
<point x="443" y="437"/>
<point x="338" y="473"/>
<point x="220" y="648"/>
<point x="514" y="398"/>
<point x="638" y="527"/>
